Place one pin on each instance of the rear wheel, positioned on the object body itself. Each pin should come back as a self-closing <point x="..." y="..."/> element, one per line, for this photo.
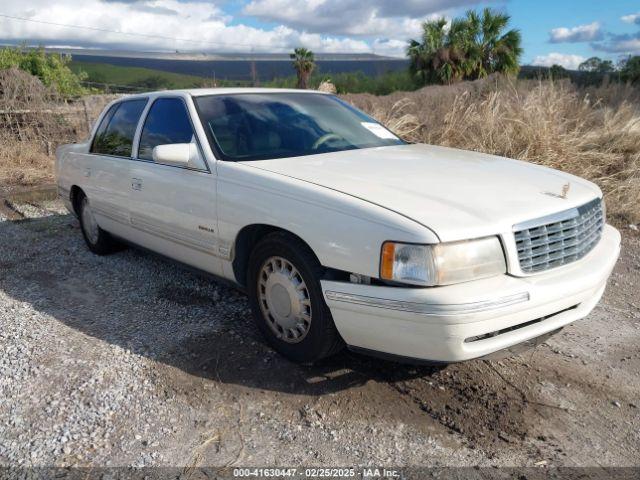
<point x="98" y="241"/>
<point x="287" y="302"/>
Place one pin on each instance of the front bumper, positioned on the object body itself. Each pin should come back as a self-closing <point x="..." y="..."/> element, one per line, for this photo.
<point x="473" y="319"/>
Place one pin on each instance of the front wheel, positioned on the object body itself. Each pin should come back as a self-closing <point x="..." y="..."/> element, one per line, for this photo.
<point x="287" y="302"/>
<point x="98" y="241"/>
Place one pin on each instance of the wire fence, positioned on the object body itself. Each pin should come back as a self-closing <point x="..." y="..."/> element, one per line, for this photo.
<point x="114" y="87"/>
<point x="206" y="83"/>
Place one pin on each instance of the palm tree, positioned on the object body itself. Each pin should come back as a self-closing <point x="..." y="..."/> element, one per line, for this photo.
<point x="437" y="57"/>
<point x="491" y="50"/>
<point x="304" y="63"/>
<point x="470" y="47"/>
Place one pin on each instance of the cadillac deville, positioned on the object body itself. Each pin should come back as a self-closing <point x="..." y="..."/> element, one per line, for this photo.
<point x="341" y="233"/>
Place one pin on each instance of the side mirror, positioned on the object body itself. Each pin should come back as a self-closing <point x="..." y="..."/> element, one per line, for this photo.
<point x="177" y="154"/>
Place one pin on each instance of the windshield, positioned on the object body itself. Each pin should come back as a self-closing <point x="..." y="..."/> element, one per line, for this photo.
<point x="258" y="126"/>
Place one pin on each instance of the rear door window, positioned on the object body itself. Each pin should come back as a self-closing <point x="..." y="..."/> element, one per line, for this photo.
<point x="116" y="138"/>
<point x="102" y="128"/>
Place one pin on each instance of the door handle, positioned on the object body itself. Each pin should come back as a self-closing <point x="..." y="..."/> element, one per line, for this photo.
<point x="136" y="184"/>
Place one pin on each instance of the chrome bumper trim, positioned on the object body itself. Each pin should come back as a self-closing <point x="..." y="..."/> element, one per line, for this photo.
<point x="441" y="309"/>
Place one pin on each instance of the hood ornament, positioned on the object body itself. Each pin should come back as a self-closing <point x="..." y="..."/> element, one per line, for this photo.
<point x="563" y="194"/>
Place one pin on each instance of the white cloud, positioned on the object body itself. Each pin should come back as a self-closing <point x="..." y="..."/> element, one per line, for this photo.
<point x="568" y="61"/>
<point x="399" y="18"/>
<point x="625" y="45"/>
<point x="631" y="46"/>
<point x="622" y="44"/>
<point x="192" y="25"/>
<point x="390" y="47"/>
<point x="581" y="33"/>
<point x="633" y="18"/>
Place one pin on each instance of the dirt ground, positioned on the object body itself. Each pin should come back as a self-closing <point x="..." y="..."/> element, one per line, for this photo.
<point x="129" y="360"/>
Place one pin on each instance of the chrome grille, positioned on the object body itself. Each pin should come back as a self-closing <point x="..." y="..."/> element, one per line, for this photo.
<point x="559" y="239"/>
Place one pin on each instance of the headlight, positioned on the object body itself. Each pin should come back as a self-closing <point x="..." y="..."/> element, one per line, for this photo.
<point x="443" y="263"/>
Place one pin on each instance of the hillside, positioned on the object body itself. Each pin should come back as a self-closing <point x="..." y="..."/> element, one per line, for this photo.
<point x="244" y="69"/>
<point x="119" y="78"/>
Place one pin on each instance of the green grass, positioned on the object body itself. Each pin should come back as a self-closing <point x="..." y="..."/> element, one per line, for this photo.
<point x="136" y="78"/>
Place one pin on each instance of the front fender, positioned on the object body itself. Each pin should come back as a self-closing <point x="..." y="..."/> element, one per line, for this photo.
<point x="345" y="233"/>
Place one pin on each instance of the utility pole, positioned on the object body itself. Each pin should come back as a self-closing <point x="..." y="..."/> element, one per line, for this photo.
<point x="254" y="74"/>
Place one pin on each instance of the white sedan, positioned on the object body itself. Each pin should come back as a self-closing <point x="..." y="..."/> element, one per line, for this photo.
<point x="340" y="232"/>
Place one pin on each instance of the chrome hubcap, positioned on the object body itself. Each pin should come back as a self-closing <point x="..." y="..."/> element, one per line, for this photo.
<point x="89" y="224"/>
<point x="284" y="300"/>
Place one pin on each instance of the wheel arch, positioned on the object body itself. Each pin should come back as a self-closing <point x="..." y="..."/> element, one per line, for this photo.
<point x="75" y="194"/>
<point x="246" y="240"/>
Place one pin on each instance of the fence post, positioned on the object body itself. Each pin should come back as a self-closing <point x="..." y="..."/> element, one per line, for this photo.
<point x="86" y="115"/>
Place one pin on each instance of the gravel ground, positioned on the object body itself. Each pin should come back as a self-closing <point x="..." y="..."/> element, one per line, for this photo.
<point x="129" y="360"/>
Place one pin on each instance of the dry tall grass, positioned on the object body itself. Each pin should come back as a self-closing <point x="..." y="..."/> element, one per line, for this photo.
<point x="591" y="133"/>
<point x="34" y="120"/>
<point x="25" y="136"/>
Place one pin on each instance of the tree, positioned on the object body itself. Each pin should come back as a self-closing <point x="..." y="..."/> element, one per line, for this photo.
<point x="490" y="50"/>
<point x="304" y="64"/>
<point x="556" y="72"/>
<point x="469" y="48"/>
<point x="52" y="69"/>
<point x="438" y="58"/>
<point x="596" y="65"/>
<point x="630" y="69"/>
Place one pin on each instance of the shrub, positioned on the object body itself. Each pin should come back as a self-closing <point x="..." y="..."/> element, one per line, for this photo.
<point x="52" y="69"/>
<point x="630" y="71"/>
<point x="30" y="128"/>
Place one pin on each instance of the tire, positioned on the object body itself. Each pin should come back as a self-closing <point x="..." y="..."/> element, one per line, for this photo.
<point x="281" y="310"/>
<point x="97" y="240"/>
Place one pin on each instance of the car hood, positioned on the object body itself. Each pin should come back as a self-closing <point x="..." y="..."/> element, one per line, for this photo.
<point x="456" y="193"/>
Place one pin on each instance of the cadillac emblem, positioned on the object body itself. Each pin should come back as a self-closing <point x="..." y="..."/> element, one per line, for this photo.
<point x="563" y="193"/>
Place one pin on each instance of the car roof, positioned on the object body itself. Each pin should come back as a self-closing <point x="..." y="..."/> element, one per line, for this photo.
<point x="201" y="92"/>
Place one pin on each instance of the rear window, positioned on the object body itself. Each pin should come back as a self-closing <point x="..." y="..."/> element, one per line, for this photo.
<point x="116" y="131"/>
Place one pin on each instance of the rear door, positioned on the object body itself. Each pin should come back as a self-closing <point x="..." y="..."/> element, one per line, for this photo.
<point x="172" y="208"/>
<point x="108" y="166"/>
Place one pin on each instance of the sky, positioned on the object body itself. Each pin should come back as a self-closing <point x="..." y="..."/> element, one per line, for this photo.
<point x="564" y="32"/>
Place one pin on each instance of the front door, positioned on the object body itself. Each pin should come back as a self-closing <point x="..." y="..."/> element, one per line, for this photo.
<point x="173" y="209"/>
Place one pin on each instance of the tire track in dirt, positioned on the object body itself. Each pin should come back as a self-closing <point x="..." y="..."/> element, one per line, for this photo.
<point x="468" y="400"/>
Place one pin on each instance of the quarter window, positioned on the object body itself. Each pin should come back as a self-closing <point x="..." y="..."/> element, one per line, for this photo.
<point x="167" y="123"/>
<point x="102" y="128"/>
<point x="116" y="138"/>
